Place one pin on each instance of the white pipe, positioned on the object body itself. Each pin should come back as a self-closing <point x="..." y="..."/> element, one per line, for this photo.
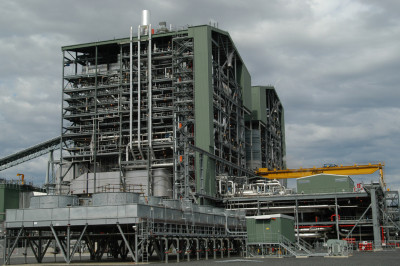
<point x="130" y="96"/>
<point x="161" y="165"/>
<point x="227" y="229"/>
<point x="139" y="96"/>
<point x="150" y="95"/>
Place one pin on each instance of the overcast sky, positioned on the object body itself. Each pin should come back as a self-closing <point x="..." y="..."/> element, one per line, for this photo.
<point x="335" y="65"/>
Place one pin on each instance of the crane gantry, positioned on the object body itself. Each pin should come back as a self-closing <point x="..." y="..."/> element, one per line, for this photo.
<point x="356" y="169"/>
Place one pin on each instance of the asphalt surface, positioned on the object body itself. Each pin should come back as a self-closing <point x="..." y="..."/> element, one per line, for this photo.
<point x="390" y="257"/>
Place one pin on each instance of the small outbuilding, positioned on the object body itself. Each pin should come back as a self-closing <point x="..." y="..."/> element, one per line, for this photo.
<point x="269" y="229"/>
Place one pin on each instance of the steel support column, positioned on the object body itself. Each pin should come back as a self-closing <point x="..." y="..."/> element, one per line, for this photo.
<point x="134" y="256"/>
<point x="375" y="220"/>
<point x="59" y="244"/>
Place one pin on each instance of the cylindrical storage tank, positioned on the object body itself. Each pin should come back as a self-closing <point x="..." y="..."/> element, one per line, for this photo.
<point x="171" y="203"/>
<point x="53" y="201"/>
<point x="162" y="185"/>
<point x="145" y="17"/>
<point x="114" y="198"/>
<point x="151" y="200"/>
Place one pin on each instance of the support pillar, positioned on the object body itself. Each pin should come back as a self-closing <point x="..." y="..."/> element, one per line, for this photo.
<point x="187" y="249"/>
<point x="222" y="248"/>
<point x="375" y="221"/>
<point x="197" y="249"/>
<point x="214" y="249"/>
<point x="337" y="218"/>
<point x="166" y="250"/>
<point x="206" y="247"/>
<point x="229" y="247"/>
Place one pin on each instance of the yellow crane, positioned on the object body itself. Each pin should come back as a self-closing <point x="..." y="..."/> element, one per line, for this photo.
<point x="22" y="178"/>
<point x="357" y="169"/>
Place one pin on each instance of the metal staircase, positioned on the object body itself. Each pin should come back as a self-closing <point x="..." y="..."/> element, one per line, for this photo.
<point x="301" y="248"/>
<point x="290" y="246"/>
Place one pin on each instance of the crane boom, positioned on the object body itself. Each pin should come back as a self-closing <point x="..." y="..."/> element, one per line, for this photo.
<point x="335" y="170"/>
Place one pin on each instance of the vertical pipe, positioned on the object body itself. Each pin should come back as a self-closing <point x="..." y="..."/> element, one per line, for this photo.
<point x="139" y="96"/>
<point x="120" y="117"/>
<point x="337" y="218"/>
<point x="136" y="244"/>
<point x="68" y="243"/>
<point x="94" y="125"/>
<point x="46" y="182"/>
<point x="150" y="94"/>
<point x="174" y="187"/>
<point x="130" y="94"/>
<point x="52" y="168"/>
<point x="5" y="249"/>
<point x="149" y="126"/>
<point x="62" y="122"/>
<point x="297" y="222"/>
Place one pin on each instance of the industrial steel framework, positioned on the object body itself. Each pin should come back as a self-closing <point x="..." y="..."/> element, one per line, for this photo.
<point x="138" y="230"/>
<point x="138" y="104"/>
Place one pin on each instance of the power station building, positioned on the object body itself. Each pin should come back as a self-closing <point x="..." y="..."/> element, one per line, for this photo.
<point x="165" y="113"/>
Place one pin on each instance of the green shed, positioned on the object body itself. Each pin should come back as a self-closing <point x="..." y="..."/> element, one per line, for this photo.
<point x="324" y="183"/>
<point x="268" y="229"/>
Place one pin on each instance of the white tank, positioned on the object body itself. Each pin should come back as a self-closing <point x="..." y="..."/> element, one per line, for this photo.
<point x="162" y="183"/>
<point x="145" y="17"/>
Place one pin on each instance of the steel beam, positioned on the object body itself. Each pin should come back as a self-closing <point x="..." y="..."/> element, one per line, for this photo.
<point x="134" y="256"/>
<point x="60" y="245"/>
<point x="10" y="251"/>
<point x="78" y="242"/>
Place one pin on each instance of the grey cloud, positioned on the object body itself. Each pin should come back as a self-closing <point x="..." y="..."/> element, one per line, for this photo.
<point x="335" y="66"/>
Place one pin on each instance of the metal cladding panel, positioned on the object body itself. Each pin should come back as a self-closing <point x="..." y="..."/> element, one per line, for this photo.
<point x="132" y="210"/>
<point x="259" y="104"/>
<point x="287" y="229"/>
<point x="128" y="220"/>
<point x="12" y="215"/>
<point x="203" y="104"/>
<point x="111" y="221"/>
<point x="53" y="201"/>
<point x="101" y="212"/>
<point x="78" y="213"/>
<point x="171" y="203"/>
<point x="245" y="83"/>
<point x="143" y="211"/>
<point x="78" y="222"/>
<point x="9" y="198"/>
<point x="114" y="198"/>
<point x="60" y="214"/>
<point x="122" y="211"/>
<point x="37" y="214"/>
<point x="97" y="221"/>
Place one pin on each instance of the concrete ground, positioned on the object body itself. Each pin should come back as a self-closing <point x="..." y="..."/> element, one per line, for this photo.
<point x="390" y="257"/>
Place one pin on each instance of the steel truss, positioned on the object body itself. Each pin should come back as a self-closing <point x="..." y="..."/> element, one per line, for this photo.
<point x="139" y="241"/>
